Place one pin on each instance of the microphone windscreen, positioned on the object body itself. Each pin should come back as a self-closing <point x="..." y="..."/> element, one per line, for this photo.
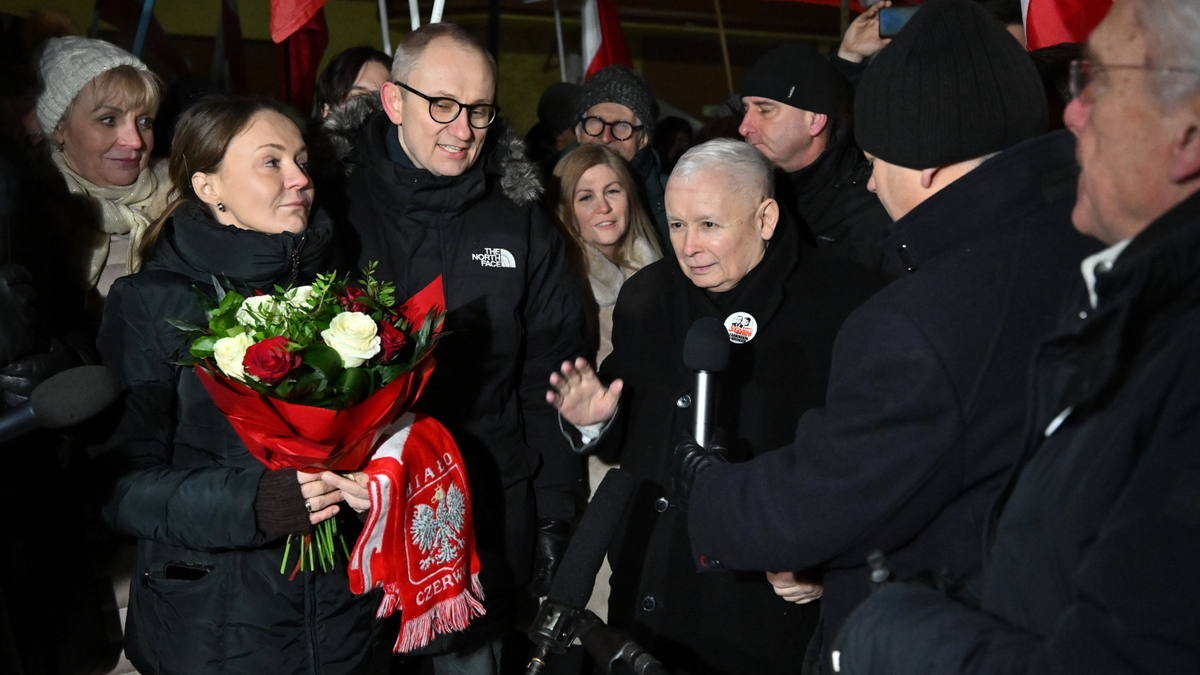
<point x="576" y="575"/>
<point x="707" y="346"/>
<point x="73" y="395"/>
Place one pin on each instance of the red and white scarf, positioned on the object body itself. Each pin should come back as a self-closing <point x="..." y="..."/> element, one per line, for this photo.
<point x="419" y="543"/>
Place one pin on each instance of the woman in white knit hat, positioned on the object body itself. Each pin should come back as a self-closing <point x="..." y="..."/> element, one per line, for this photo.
<point x="97" y="110"/>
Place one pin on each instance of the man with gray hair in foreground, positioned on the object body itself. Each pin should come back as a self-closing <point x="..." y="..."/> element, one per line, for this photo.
<point x="781" y="304"/>
<point x="1091" y="551"/>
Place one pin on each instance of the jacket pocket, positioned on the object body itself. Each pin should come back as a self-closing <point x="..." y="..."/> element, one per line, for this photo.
<point x="178" y="610"/>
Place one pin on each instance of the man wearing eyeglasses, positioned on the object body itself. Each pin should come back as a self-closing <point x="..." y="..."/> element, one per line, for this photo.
<point x="436" y="189"/>
<point x="1091" y="550"/>
<point x="617" y="109"/>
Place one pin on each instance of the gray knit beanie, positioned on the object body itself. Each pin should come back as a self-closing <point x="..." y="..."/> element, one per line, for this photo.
<point x="618" y="84"/>
<point x="68" y="64"/>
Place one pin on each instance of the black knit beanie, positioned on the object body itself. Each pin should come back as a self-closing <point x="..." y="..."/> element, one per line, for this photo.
<point x="618" y="84"/>
<point x="796" y="74"/>
<point x="952" y="86"/>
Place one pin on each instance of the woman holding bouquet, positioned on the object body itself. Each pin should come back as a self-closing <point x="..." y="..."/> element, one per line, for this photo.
<point x="208" y="595"/>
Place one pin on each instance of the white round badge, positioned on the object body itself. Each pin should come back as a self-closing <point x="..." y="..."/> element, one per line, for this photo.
<point x="741" y="327"/>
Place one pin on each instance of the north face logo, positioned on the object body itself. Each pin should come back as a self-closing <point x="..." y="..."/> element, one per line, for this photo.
<point x="495" y="257"/>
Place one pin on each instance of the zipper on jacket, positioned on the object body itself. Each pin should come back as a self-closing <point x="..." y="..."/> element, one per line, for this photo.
<point x="310" y="620"/>
<point x="297" y="249"/>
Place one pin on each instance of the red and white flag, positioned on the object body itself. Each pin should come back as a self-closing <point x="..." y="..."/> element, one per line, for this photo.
<point x="1051" y="22"/>
<point x="603" y="42"/>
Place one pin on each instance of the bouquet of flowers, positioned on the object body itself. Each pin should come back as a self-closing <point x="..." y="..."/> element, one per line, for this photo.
<point x="321" y="377"/>
<point x="310" y="376"/>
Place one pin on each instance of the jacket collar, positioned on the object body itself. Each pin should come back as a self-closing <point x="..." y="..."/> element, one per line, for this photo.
<point x="195" y="245"/>
<point x="997" y="190"/>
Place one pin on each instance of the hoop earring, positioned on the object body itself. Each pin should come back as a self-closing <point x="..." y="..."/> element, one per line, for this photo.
<point x="220" y="207"/>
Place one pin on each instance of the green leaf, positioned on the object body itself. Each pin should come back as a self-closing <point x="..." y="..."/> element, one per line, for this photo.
<point x="203" y="348"/>
<point x="324" y="359"/>
<point x="219" y="288"/>
<point x="353" y="384"/>
<point x="206" y="303"/>
<point x="186" y="326"/>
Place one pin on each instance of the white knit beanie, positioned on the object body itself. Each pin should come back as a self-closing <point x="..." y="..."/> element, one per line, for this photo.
<point x="69" y="63"/>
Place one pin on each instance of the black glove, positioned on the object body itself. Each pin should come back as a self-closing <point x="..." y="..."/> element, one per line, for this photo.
<point x="690" y="461"/>
<point x="553" y="536"/>
<point x="19" y="378"/>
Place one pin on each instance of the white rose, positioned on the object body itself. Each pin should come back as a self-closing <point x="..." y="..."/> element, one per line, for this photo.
<point x="230" y="352"/>
<point x="353" y="336"/>
<point x="256" y="311"/>
<point x="301" y="297"/>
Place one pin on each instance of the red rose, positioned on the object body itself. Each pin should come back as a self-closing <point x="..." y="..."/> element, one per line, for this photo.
<point x="269" y="361"/>
<point x="350" y="303"/>
<point x="391" y="341"/>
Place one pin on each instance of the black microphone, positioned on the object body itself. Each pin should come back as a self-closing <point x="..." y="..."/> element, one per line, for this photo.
<point x="706" y="351"/>
<point x="555" y="626"/>
<point x="68" y="398"/>
<point x="608" y="645"/>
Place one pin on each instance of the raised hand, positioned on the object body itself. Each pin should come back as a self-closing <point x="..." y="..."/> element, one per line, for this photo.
<point x="862" y="35"/>
<point x="579" y="395"/>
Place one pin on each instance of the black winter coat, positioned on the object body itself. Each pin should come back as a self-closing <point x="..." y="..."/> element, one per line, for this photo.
<point x="1091" y="565"/>
<point x="925" y="407"/>
<point x="830" y="198"/>
<point x="732" y="622"/>
<point x="514" y="314"/>
<point x="177" y="477"/>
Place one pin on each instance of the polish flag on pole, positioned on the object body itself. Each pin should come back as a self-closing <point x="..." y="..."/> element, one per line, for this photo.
<point x="603" y="42"/>
<point x="1051" y="22"/>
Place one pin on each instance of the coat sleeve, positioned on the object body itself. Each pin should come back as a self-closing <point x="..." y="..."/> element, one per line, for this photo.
<point x="142" y="493"/>
<point x="869" y="470"/>
<point x="1134" y="596"/>
<point x="555" y="332"/>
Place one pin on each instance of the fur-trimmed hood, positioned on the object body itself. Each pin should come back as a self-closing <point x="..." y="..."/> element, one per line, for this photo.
<point x="503" y="152"/>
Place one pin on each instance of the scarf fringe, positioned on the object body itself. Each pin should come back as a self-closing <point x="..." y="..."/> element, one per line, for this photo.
<point x="448" y="616"/>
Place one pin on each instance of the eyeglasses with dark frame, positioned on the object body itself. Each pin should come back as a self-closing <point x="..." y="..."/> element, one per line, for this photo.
<point x="1082" y="71"/>
<point x="445" y="110"/>
<point x="621" y="130"/>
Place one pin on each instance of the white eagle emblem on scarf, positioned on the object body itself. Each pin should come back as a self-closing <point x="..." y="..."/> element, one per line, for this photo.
<point x="438" y="530"/>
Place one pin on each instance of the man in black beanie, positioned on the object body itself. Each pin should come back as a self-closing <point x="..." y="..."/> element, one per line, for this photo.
<point x="798" y="115"/>
<point x="927" y="391"/>
<point x="617" y="109"/>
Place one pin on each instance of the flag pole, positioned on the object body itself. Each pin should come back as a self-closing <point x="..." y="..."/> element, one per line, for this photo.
<point x="725" y="45"/>
<point x="845" y="15"/>
<point x="383" y="28"/>
<point x="414" y="13"/>
<point x="562" y="58"/>
<point x="139" y="40"/>
<point x="438" y="5"/>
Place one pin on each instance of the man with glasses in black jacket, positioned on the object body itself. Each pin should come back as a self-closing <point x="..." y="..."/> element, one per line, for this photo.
<point x="435" y="190"/>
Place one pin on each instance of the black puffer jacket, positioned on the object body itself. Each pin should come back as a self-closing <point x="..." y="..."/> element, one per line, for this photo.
<point x="514" y="313"/>
<point x="176" y="476"/>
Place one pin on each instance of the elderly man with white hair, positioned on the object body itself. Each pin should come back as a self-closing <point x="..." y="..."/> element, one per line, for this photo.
<point x="782" y="305"/>
<point x="1091" y="550"/>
